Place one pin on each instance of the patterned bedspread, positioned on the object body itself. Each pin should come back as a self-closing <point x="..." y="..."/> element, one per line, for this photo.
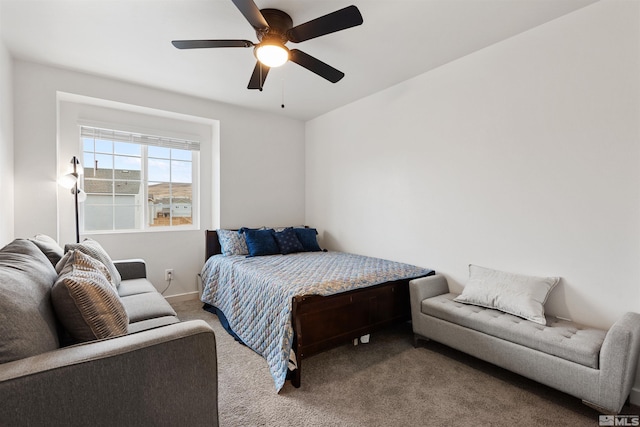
<point x="255" y="293"/>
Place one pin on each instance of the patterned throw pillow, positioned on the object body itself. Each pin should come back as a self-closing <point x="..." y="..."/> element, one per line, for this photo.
<point x="276" y="229"/>
<point x="94" y="250"/>
<point x="287" y="241"/>
<point x="232" y="242"/>
<point x="80" y="261"/>
<point x="86" y="302"/>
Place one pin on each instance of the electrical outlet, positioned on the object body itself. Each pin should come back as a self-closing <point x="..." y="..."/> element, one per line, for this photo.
<point x="168" y="274"/>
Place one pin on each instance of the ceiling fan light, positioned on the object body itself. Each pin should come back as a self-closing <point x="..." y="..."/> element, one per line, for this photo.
<point x="272" y="55"/>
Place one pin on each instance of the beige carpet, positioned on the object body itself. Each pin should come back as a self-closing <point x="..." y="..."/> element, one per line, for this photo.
<point x="387" y="382"/>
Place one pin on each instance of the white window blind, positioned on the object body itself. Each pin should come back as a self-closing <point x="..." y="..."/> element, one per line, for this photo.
<point x="138" y="138"/>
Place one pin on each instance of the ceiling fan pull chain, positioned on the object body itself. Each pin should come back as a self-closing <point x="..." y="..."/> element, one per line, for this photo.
<point x="282" y="105"/>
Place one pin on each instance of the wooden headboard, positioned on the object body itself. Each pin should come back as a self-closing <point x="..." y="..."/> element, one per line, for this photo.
<point x="212" y="244"/>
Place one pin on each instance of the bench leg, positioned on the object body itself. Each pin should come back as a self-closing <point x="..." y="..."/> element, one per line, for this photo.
<point x="417" y="338"/>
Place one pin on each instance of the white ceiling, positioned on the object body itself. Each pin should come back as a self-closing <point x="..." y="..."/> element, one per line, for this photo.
<point x="130" y="40"/>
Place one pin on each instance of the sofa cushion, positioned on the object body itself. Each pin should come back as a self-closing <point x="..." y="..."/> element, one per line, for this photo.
<point x="49" y="247"/>
<point x="147" y="306"/>
<point x="27" y="321"/>
<point x="93" y="249"/>
<point x="516" y="294"/>
<point x="156" y="322"/>
<point x="86" y="302"/>
<point x="135" y="286"/>
<point x="560" y="338"/>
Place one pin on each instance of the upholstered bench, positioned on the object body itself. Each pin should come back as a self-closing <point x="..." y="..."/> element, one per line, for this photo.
<point x="594" y="365"/>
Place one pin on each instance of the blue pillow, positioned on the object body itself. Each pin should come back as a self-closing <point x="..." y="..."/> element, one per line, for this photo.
<point x="261" y="242"/>
<point x="307" y="236"/>
<point x="243" y="229"/>
<point x="288" y="241"/>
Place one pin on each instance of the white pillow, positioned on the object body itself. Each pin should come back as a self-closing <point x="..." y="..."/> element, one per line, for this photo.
<point x="522" y="296"/>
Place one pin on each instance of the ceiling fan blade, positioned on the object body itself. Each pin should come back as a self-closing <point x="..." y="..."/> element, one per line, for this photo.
<point x="339" y="20"/>
<point x="251" y="13"/>
<point x="315" y="65"/>
<point x="259" y="76"/>
<point x="198" y="44"/>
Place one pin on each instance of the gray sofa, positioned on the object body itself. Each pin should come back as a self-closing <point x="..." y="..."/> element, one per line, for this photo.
<point x="596" y="366"/>
<point x="158" y="371"/>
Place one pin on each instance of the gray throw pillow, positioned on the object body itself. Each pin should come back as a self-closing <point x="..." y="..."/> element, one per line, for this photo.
<point x="94" y="250"/>
<point x="49" y="247"/>
<point x="27" y="321"/>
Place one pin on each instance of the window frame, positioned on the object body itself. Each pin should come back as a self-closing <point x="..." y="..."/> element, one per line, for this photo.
<point x="144" y="180"/>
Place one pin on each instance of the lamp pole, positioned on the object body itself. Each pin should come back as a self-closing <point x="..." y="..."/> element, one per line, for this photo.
<point x="75" y="195"/>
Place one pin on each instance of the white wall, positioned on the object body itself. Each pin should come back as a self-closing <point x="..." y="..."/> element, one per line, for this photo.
<point x="261" y="168"/>
<point x="523" y="156"/>
<point x="6" y="146"/>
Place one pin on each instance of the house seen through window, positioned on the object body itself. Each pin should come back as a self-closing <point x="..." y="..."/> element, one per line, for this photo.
<point x="137" y="182"/>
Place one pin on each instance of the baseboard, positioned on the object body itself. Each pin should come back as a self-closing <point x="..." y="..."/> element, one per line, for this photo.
<point x="189" y="296"/>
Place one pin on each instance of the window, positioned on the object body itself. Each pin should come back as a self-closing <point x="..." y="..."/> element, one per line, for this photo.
<point x="138" y="182"/>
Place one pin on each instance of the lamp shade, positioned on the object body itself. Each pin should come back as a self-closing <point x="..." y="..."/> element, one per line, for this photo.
<point x="272" y="54"/>
<point x="67" y="181"/>
<point x="82" y="196"/>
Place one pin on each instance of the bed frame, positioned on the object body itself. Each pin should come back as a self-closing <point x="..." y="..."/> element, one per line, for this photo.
<point x="324" y="322"/>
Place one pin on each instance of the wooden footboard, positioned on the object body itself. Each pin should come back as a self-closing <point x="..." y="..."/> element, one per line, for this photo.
<point x="324" y="322"/>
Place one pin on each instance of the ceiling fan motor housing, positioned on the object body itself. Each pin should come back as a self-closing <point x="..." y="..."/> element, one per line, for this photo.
<point x="279" y="23"/>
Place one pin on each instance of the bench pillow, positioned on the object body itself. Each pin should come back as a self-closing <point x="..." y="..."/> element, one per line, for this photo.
<point x="517" y="294"/>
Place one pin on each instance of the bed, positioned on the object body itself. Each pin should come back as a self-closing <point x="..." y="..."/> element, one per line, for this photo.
<point x="287" y="318"/>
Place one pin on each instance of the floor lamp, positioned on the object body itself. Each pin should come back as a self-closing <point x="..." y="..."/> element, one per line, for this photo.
<point x="71" y="181"/>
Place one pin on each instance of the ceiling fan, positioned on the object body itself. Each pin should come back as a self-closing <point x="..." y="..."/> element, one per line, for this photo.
<point x="274" y="28"/>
